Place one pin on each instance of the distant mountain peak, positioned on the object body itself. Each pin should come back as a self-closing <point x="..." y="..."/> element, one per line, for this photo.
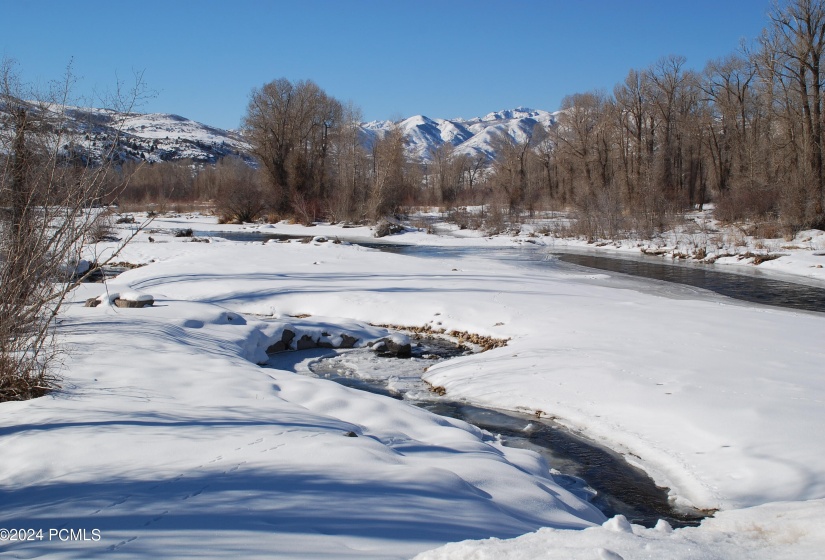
<point x="469" y="136"/>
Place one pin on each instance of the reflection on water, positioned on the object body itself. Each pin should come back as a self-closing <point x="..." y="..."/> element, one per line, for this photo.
<point x="252" y="236"/>
<point x="745" y="287"/>
<point x="620" y="488"/>
<point x="754" y="289"/>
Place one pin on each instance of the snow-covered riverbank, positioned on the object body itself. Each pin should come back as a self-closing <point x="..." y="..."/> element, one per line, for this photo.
<point x="169" y="439"/>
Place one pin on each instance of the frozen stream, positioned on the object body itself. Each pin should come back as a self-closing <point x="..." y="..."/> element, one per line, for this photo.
<point x="643" y="273"/>
<point x="649" y="274"/>
<point x="589" y="470"/>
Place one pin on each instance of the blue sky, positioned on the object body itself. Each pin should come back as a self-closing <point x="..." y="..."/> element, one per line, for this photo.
<point x="445" y="58"/>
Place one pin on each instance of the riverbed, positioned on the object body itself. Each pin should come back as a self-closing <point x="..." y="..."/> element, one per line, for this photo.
<point x="589" y="470"/>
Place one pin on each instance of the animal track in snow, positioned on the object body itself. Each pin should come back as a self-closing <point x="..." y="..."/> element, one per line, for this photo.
<point x="120" y="544"/>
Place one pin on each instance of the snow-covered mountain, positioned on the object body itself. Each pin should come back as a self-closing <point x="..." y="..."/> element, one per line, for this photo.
<point x="473" y="136"/>
<point x="154" y="137"/>
<point x="90" y="133"/>
<point x="165" y="137"/>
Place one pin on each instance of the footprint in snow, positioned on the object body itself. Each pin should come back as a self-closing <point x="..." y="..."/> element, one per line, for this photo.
<point x="235" y="468"/>
<point x="120" y="501"/>
<point x="193" y="494"/>
<point x="605" y="554"/>
<point x="121" y="543"/>
<point x="155" y="519"/>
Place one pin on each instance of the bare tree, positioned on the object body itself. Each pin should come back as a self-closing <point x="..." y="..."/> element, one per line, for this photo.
<point x="447" y="173"/>
<point x="510" y="170"/>
<point x="389" y="181"/>
<point x="290" y="128"/>
<point x="48" y="186"/>
<point x="795" y="41"/>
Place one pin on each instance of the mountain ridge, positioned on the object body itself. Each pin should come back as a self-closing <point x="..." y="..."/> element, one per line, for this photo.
<point x="156" y="137"/>
<point x="473" y="137"/>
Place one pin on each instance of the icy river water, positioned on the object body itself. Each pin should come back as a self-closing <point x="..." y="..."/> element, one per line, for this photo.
<point x="651" y="274"/>
<point x="592" y="471"/>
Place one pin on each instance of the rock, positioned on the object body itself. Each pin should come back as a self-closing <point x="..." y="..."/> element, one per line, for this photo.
<point x="348" y="341"/>
<point x="306" y="342"/>
<point x="283" y="344"/>
<point x="128" y="303"/>
<point x="350" y="434"/>
<point x="277" y="347"/>
<point x="92" y="302"/>
<point x="393" y="347"/>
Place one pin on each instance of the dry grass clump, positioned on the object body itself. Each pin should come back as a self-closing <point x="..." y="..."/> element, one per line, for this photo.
<point x="462" y="337"/>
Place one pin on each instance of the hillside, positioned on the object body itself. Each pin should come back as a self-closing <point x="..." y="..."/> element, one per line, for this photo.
<point x="159" y="137"/>
<point x="90" y="133"/>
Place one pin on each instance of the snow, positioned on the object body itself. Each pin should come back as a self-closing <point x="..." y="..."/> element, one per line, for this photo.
<point x="802" y="257"/>
<point x="151" y="137"/>
<point x="135" y="296"/>
<point x="471" y="137"/>
<point x="171" y="440"/>
<point x="782" y="530"/>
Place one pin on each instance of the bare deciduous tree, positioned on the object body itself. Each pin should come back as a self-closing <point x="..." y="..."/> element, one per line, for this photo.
<point x="48" y="187"/>
<point x="290" y="126"/>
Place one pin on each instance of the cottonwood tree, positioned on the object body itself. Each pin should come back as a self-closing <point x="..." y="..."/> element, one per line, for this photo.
<point x="792" y="53"/>
<point x="290" y="126"/>
<point x="474" y="168"/>
<point x="636" y="128"/>
<point x="48" y="184"/>
<point x="510" y="170"/>
<point x="447" y="173"/>
<point x="389" y="179"/>
<point x="159" y="183"/>
<point x="349" y="169"/>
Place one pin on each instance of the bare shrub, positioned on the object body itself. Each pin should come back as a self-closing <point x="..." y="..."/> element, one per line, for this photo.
<point x="240" y="193"/>
<point x="48" y="194"/>
<point x="745" y="202"/>
<point x="385" y="227"/>
<point x="423" y="225"/>
<point x="101" y="229"/>
<point x="465" y="219"/>
<point x="768" y="230"/>
<point x="494" y="220"/>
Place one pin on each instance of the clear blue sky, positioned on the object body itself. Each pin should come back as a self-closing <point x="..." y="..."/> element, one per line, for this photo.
<point x="392" y="58"/>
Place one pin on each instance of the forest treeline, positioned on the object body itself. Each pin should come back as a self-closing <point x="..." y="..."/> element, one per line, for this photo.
<point x="745" y="133"/>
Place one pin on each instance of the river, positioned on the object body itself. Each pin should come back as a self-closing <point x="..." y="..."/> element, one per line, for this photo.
<point x="586" y="468"/>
